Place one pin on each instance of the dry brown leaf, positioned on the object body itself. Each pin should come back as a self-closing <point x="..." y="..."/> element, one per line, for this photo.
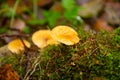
<point x="102" y="25"/>
<point x="7" y="73"/>
<point x="79" y="2"/>
<point x="112" y="13"/>
<point x="91" y="8"/>
<point x="18" y="24"/>
<point x="98" y="78"/>
<point x="57" y="7"/>
<point x="42" y="3"/>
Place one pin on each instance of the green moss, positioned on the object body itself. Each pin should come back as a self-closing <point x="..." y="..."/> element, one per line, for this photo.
<point x="116" y="37"/>
<point x="95" y="56"/>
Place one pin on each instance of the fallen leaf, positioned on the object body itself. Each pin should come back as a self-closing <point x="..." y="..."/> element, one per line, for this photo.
<point x="57" y="7"/>
<point x="7" y="73"/>
<point x="102" y="25"/>
<point x="91" y="8"/>
<point x="42" y="3"/>
<point x="79" y="2"/>
<point x="18" y="24"/>
<point x="112" y="13"/>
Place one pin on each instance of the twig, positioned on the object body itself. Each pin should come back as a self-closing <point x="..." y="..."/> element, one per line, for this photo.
<point x="36" y="62"/>
<point x="94" y="50"/>
<point x="13" y="35"/>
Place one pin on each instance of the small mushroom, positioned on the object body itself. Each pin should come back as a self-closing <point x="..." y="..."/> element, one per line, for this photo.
<point x="65" y="35"/>
<point x="16" y="46"/>
<point x="43" y="38"/>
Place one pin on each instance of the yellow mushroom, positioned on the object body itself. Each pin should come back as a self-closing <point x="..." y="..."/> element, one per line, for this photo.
<point x="43" y="38"/>
<point x="16" y="46"/>
<point x="65" y="35"/>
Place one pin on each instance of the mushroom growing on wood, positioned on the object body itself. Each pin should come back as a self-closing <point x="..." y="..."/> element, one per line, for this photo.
<point x="16" y="46"/>
<point x="43" y="38"/>
<point x="65" y="35"/>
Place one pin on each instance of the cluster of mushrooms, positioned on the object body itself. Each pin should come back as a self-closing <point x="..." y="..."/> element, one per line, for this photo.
<point x="42" y="38"/>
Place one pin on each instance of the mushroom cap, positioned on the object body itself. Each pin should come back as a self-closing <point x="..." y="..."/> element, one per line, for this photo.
<point x="43" y="38"/>
<point x="16" y="45"/>
<point x="65" y="35"/>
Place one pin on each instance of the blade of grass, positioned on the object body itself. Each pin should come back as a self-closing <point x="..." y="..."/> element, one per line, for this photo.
<point x="35" y="8"/>
<point x="13" y="12"/>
